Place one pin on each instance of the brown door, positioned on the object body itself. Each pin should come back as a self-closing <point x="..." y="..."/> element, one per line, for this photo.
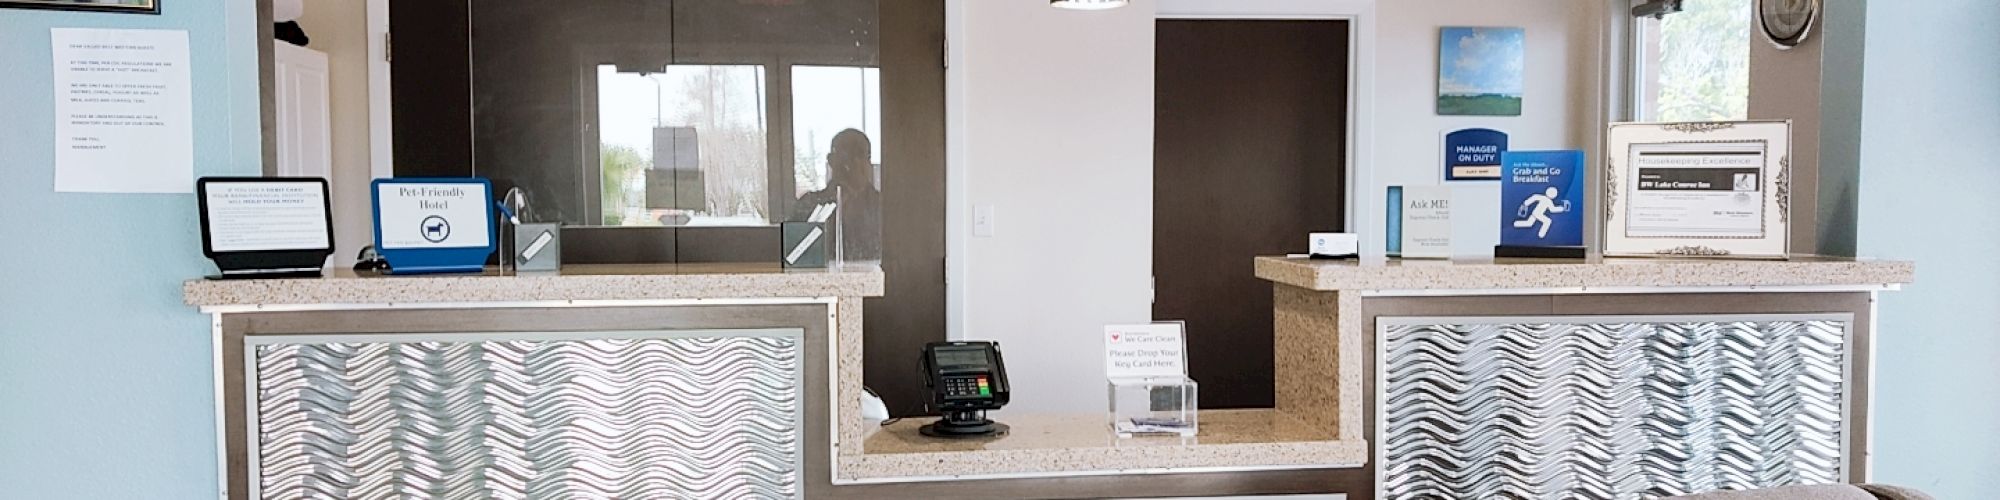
<point x="911" y="311"/>
<point x="1249" y="155"/>
<point x="430" y="89"/>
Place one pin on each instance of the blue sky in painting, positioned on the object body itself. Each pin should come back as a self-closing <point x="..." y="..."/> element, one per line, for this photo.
<point x="1481" y="61"/>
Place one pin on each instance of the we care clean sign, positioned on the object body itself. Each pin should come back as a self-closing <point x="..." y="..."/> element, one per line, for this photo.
<point x="1143" y="351"/>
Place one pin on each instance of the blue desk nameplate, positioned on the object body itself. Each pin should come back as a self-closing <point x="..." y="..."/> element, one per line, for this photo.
<point x="434" y="225"/>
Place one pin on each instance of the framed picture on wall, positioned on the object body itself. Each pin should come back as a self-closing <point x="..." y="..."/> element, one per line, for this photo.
<point x="1479" y="71"/>
<point x="1704" y="189"/>
<point x="126" y="6"/>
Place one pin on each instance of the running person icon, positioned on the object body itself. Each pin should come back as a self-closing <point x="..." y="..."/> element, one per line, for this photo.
<point x="1536" y="210"/>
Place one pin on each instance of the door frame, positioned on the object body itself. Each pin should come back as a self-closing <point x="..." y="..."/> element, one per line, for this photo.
<point x="1362" y="198"/>
<point x="1360" y="16"/>
<point x="381" y="140"/>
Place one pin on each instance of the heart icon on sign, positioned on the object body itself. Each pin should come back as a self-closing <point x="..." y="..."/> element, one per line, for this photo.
<point x="1114" y="337"/>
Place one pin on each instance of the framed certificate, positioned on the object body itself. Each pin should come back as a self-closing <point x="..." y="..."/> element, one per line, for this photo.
<point x="1710" y="189"/>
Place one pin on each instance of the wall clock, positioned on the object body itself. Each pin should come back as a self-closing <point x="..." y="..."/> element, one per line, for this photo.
<point x="1787" y="22"/>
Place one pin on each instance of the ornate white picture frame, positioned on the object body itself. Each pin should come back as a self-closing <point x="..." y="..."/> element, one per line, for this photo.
<point x="1702" y="189"/>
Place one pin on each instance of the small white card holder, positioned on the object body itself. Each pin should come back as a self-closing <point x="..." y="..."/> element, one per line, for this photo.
<point x="1148" y="390"/>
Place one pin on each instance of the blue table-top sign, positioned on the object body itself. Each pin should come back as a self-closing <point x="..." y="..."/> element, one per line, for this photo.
<point x="1473" y="154"/>
<point x="1541" y="199"/>
<point x="434" y="225"/>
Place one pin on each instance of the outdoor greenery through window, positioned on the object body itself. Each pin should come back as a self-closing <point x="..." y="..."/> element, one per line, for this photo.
<point x="683" y="146"/>
<point x="1695" y="65"/>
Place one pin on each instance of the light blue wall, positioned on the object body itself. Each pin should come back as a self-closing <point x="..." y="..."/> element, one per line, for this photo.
<point x="105" y="379"/>
<point x="1930" y="192"/>
<point x="105" y="388"/>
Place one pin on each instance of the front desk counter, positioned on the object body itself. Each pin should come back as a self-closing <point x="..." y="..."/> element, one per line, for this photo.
<point x="510" y="386"/>
<point x="1620" y="378"/>
<point x="603" y="381"/>
<point x="496" y="386"/>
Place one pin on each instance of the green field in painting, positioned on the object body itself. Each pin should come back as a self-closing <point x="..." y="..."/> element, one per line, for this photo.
<point x="1479" y="105"/>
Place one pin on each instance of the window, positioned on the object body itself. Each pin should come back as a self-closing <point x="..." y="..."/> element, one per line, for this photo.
<point x="825" y="101"/>
<point x="1695" y="65"/>
<point x="836" y="148"/>
<point x="685" y="146"/>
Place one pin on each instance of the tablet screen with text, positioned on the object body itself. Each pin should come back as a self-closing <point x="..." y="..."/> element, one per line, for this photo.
<point x="264" y="216"/>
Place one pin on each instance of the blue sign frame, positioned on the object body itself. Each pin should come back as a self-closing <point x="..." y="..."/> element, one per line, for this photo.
<point x="1473" y="154"/>
<point x="1541" y="199"/>
<point x="436" y="260"/>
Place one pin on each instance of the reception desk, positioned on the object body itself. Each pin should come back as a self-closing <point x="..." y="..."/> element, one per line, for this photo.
<point x="1615" y="379"/>
<point x="1458" y="379"/>
<point x="650" y="381"/>
<point x="620" y="381"/>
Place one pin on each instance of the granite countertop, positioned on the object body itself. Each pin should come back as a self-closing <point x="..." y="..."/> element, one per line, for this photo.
<point x="575" y="282"/>
<point x="1057" y="444"/>
<point x="1329" y="275"/>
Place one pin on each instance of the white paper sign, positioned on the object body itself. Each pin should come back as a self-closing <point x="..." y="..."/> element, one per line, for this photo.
<point x="1426" y="222"/>
<point x="1145" y="351"/>
<point x="433" y="215"/>
<point x="123" y="111"/>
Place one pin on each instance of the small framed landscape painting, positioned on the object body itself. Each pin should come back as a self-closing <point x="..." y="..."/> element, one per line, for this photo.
<point x="128" y="6"/>
<point x="1479" y="71"/>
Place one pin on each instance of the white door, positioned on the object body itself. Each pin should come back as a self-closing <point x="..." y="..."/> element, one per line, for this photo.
<point x="305" y="120"/>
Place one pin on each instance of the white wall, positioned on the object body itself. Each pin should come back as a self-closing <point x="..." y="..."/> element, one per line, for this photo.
<point x="1057" y="110"/>
<point x="339" y="28"/>
<point x="1053" y="120"/>
<point x="1561" y="110"/>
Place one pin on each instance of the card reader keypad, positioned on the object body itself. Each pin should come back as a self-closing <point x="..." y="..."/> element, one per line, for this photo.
<point x="967" y="387"/>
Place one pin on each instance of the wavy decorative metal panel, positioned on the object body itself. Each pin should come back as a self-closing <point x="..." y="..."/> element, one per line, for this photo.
<point x="684" y="417"/>
<point x="1626" y="410"/>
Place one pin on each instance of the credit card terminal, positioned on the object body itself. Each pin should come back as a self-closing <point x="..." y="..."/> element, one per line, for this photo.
<point x="966" y="378"/>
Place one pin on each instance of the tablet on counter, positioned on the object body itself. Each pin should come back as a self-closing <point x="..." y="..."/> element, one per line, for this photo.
<point x="265" y="227"/>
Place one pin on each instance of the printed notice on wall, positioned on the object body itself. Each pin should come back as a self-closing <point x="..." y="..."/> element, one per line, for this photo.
<point x="123" y="111"/>
<point x="1145" y="351"/>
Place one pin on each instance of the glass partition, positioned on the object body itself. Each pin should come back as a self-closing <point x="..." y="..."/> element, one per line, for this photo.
<point x="683" y="146"/>
<point x="836" y="126"/>
<point x="692" y="131"/>
<point x="675" y="114"/>
<point x="828" y="100"/>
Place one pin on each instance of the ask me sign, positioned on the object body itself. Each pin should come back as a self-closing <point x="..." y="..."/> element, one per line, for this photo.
<point x="1145" y="351"/>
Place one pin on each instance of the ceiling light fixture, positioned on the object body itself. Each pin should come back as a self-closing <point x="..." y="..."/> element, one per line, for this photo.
<point x="1087" y="4"/>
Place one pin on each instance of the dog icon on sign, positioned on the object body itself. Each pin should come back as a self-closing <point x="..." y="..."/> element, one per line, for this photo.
<point x="435" y="229"/>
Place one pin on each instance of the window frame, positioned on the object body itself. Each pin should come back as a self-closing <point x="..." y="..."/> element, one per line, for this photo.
<point x="1639" y="75"/>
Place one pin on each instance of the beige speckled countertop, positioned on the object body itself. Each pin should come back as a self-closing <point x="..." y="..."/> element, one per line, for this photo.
<point x="1330" y="275"/>
<point x="577" y="282"/>
<point x="1055" y="444"/>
